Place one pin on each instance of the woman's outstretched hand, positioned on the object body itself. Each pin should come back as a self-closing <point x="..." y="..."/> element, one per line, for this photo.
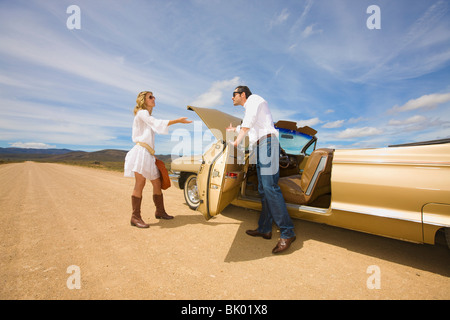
<point x="179" y="120"/>
<point x="184" y="120"/>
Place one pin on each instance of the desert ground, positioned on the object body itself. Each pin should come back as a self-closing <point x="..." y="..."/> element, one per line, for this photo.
<point x="65" y="234"/>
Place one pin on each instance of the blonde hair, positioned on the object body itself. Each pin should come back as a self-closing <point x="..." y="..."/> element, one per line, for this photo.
<point x="140" y="100"/>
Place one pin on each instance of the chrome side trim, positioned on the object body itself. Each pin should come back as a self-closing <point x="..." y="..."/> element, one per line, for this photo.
<point x="298" y="207"/>
<point x="321" y="211"/>
<point x="174" y="176"/>
<point x="437" y="224"/>
<point x="383" y="214"/>
<point x="395" y="163"/>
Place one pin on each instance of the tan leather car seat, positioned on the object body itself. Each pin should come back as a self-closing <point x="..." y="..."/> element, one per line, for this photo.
<point x="314" y="181"/>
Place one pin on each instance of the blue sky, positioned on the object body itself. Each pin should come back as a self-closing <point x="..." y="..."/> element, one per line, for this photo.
<point x="316" y="62"/>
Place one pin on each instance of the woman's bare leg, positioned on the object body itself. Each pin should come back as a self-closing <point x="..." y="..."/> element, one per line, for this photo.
<point x="138" y="185"/>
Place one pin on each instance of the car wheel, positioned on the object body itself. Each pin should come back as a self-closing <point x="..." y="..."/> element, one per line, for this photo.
<point x="191" y="192"/>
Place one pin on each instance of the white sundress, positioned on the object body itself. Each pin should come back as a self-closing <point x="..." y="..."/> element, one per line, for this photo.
<point x="138" y="159"/>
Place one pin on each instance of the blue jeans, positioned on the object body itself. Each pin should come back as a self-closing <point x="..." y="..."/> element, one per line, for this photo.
<point x="273" y="204"/>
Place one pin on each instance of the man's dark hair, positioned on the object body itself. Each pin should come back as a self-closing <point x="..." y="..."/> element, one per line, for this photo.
<point x="245" y="89"/>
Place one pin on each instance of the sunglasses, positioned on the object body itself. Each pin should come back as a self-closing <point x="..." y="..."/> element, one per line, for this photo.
<point x="235" y="93"/>
<point x="151" y="97"/>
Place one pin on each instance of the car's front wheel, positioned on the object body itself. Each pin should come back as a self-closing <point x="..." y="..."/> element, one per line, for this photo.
<point x="191" y="192"/>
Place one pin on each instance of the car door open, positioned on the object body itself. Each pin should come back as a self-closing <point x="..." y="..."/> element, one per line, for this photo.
<point x="219" y="178"/>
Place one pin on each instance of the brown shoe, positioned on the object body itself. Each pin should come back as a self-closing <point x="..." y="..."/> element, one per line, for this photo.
<point x="283" y="245"/>
<point x="256" y="233"/>
<point x="160" y="212"/>
<point x="136" y="220"/>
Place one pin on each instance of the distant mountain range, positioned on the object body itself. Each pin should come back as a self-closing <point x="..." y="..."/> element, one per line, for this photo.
<point x="67" y="155"/>
<point x="33" y="151"/>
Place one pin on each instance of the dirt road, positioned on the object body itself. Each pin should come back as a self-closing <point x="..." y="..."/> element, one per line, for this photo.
<point x="54" y="217"/>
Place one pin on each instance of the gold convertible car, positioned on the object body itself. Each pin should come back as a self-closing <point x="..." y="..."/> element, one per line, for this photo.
<point x="400" y="191"/>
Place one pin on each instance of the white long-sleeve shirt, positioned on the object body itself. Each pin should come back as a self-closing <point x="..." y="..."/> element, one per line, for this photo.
<point x="257" y="118"/>
<point x="145" y="126"/>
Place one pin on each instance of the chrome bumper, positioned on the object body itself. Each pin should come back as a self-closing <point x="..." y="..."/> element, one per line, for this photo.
<point x="175" y="178"/>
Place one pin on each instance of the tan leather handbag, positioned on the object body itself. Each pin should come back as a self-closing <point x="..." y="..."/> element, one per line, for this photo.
<point x="164" y="174"/>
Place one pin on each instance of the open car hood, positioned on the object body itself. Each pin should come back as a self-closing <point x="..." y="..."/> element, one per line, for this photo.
<point x="216" y="121"/>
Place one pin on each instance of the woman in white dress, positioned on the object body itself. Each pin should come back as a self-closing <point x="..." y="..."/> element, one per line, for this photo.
<point x="140" y="162"/>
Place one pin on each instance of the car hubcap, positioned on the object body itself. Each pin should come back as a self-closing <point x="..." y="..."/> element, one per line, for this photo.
<point x="192" y="191"/>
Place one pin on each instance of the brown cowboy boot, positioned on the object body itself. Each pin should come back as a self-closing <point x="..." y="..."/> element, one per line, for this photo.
<point x="160" y="212"/>
<point x="136" y="220"/>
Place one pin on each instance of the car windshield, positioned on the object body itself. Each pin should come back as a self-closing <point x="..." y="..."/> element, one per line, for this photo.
<point x="293" y="141"/>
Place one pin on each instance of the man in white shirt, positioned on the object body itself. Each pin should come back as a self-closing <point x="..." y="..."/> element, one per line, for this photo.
<point x="258" y="124"/>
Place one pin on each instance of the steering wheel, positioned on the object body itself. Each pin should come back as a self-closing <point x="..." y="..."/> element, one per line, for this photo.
<point x="285" y="161"/>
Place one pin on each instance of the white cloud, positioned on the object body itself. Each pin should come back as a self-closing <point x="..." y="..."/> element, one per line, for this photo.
<point x="417" y="45"/>
<point x="356" y="120"/>
<point x="412" y="120"/>
<point x="31" y="145"/>
<point x="358" y="132"/>
<point x="278" y="113"/>
<point x="299" y="23"/>
<point x="61" y="125"/>
<point x="334" y="124"/>
<point x="310" y="30"/>
<point x="408" y="57"/>
<point x="57" y="52"/>
<point x="214" y="96"/>
<point x="429" y="101"/>
<point x="310" y="122"/>
<point x="280" y="18"/>
<point x="419" y="123"/>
